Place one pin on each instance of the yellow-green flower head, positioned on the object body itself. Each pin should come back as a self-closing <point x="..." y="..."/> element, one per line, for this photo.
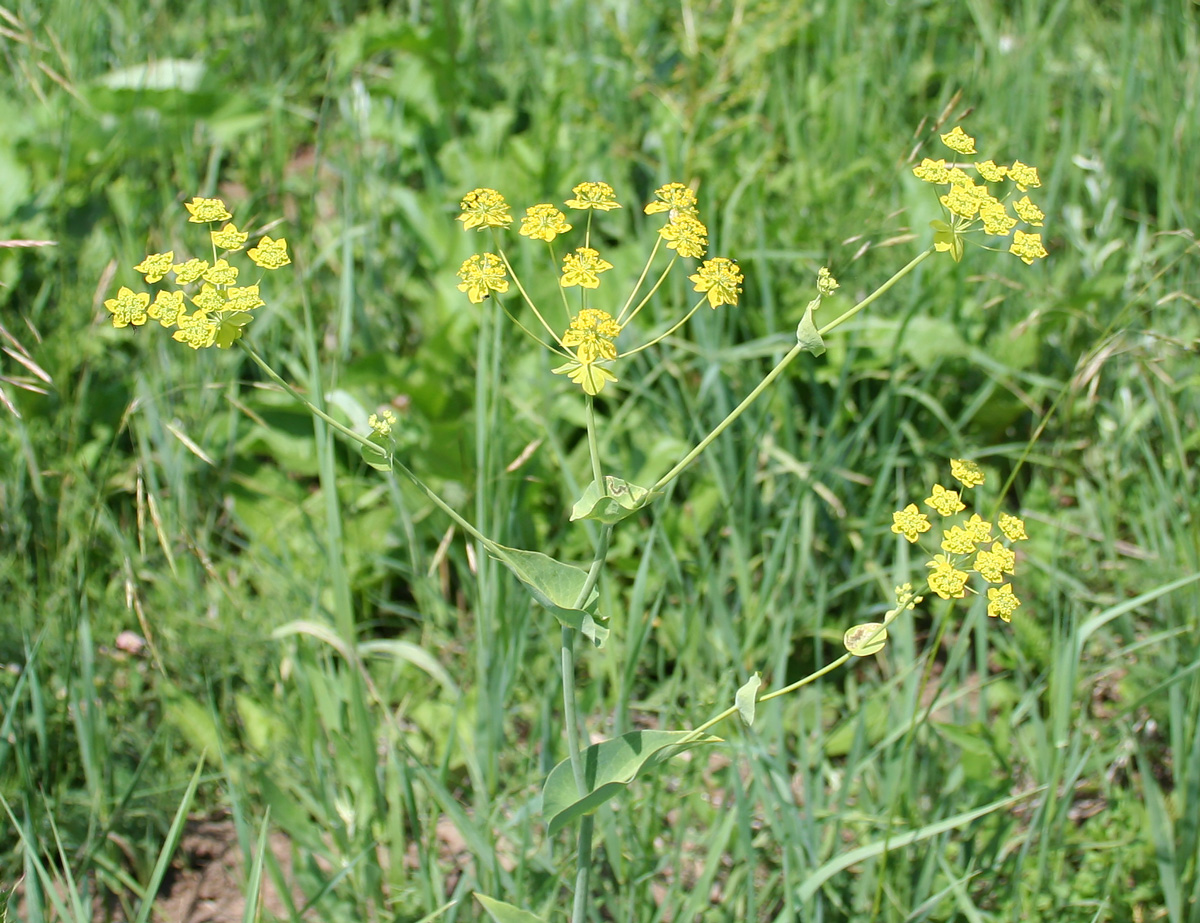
<point x="990" y="171"/>
<point x="382" y="425"/>
<point x="966" y="472"/>
<point x="245" y="298"/>
<point x="166" y="308"/>
<point x="270" y="254"/>
<point x="946" y="502"/>
<point x="1027" y="246"/>
<point x="210" y="298"/>
<point x="583" y="267"/>
<point x="543" y="222"/>
<point x="686" y="235"/>
<point x="720" y="279"/>
<point x="484" y="208"/>
<point x="205" y="210"/>
<point x="221" y="273"/>
<point x="129" y="307"/>
<point x="959" y="141"/>
<point x="1013" y="527"/>
<point x="996" y="219"/>
<point x="1002" y="602"/>
<point x="946" y="580"/>
<point x="1025" y="209"/>
<point x="1024" y="175"/>
<point x="957" y="540"/>
<point x="932" y="171"/>
<point x="480" y="274"/>
<point x="156" y="265"/>
<point x="593" y="332"/>
<point x="964" y="200"/>
<point x="198" y="330"/>
<point x="599" y="196"/>
<point x="910" y="522"/>
<point x="980" y="529"/>
<point x="228" y="238"/>
<point x="826" y="283"/>
<point x="189" y="272"/>
<point x="999" y="560"/>
<point x="675" y="198"/>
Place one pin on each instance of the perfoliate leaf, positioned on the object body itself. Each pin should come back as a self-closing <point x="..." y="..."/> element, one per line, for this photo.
<point x="501" y="912"/>
<point x="618" y="500"/>
<point x="608" y="767"/>
<point x="746" y="698"/>
<point x="865" y="639"/>
<point x="806" y="332"/>
<point x="556" y="586"/>
<point x="377" y="455"/>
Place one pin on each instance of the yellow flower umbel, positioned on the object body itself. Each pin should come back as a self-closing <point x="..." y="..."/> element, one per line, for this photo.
<point x="222" y="308"/>
<point x="588" y="344"/>
<point x="972" y="204"/>
<point x="967" y="546"/>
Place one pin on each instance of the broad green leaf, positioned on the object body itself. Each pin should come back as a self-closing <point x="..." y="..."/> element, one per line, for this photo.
<point x="608" y="767"/>
<point x="865" y="639"/>
<point x="377" y="454"/>
<point x="556" y="586"/>
<point x="746" y="698"/>
<point x="618" y="500"/>
<point x="806" y="332"/>
<point x="505" y="913"/>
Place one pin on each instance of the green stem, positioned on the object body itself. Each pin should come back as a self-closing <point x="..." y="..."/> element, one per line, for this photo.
<point x="780" y="366"/>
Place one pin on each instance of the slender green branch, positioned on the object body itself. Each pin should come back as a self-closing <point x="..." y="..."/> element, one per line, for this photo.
<point x="900" y="274"/>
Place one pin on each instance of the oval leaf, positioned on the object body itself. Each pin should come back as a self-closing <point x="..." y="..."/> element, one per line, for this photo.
<point x="746" y="698"/>
<point x="608" y="767"/>
<point x="806" y="332"/>
<point x="865" y="639"/>
<point x="501" y="912"/>
<point x="556" y="586"/>
<point x="618" y="500"/>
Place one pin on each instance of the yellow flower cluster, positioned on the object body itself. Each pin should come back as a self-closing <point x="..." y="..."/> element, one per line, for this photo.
<point x="969" y="202"/>
<point x="222" y="307"/>
<point x="968" y="546"/>
<point x="589" y="339"/>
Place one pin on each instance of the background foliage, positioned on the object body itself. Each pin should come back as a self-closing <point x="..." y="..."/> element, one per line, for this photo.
<point x="148" y="488"/>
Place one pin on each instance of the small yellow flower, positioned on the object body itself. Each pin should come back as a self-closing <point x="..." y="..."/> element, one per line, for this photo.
<point x="989" y="567"/>
<point x="826" y="283"/>
<point x="990" y="171"/>
<point x="270" y="254"/>
<point x="932" y="171"/>
<point x="910" y="522"/>
<point x="720" y="279"/>
<point x="946" y="580"/>
<point x="166" y="308"/>
<point x="686" y="235"/>
<point x="957" y="540"/>
<point x="382" y="424"/>
<point x="583" y="268"/>
<point x="593" y="332"/>
<point x="996" y="220"/>
<point x="484" y="208"/>
<point x="228" y="238"/>
<point x="243" y="299"/>
<point x="1027" y="246"/>
<point x="1025" y="209"/>
<point x="967" y="473"/>
<point x="964" y="200"/>
<point x="221" y="273"/>
<point x="156" y="265"/>
<point x="1024" y="175"/>
<point x="210" y="298"/>
<point x="675" y="198"/>
<point x="543" y="222"/>
<point x="480" y="274"/>
<point x="189" y="272"/>
<point x="946" y="502"/>
<point x="197" y="330"/>
<point x="1013" y="527"/>
<point x="1002" y="602"/>
<point x="959" y="141"/>
<point x="599" y="196"/>
<point x="980" y="529"/>
<point x="205" y="210"/>
<point x="129" y="307"/>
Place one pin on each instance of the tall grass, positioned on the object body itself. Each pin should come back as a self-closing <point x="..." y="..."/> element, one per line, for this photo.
<point x="177" y="496"/>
